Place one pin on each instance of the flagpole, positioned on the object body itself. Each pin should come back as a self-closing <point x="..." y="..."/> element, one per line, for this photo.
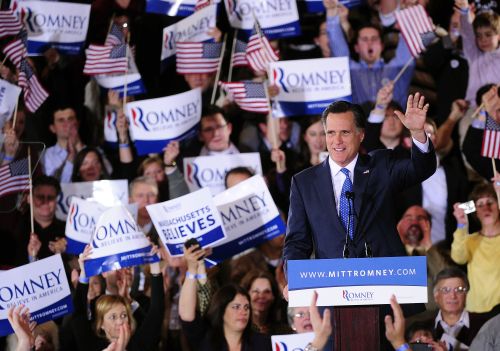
<point x="477" y="110"/>
<point x="31" y="191"/>
<point x="126" y="73"/>
<point x="407" y="64"/>
<point x="3" y="62"/>
<point x="217" y="76"/>
<point x="110" y="24"/>
<point x="14" y="118"/>
<point x="231" y="60"/>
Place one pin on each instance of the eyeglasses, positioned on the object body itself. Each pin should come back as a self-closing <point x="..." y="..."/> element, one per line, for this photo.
<point x="211" y="130"/>
<point x="263" y="292"/>
<point x="238" y="307"/>
<point x="458" y="290"/>
<point x="115" y="317"/>
<point x="302" y="315"/>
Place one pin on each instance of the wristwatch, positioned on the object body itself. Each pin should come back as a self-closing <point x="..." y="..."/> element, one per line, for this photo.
<point x="310" y="347"/>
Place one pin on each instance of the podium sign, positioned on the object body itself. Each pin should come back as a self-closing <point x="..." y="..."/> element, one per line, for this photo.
<point x="357" y="281"/>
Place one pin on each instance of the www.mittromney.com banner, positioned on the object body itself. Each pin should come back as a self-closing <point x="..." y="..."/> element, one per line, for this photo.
<point x="357" y="281"/>
<point x="117" y="242"/>
<point x="41" y="286"/>
<point x="250" y="217"/>
<point x="277" y="18"/>
<point x="307" y="87"/>
<point x="193" y="28"/>
<point x="190" y="216"/>
<point x="156" y="122"/>
<point x="60" y="25"/>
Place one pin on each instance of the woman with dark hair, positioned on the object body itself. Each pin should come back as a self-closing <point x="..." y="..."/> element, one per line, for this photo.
<point x="313" y="141"/>
<point x="267" y="315"/>
<point x="227" y="324"/>
<point x="88" y="166"/>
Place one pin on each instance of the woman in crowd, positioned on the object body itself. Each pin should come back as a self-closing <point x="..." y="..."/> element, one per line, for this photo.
<point x="313" y="141"/>
<point x="480" y="250"/>
<point x="113" y="316"/>
<point x="89" y="166"/>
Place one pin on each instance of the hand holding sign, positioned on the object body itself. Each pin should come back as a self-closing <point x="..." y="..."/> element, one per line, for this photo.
<point x="19" y="318"/>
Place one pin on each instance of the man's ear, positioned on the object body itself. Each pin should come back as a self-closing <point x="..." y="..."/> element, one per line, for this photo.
<point x="52" y="129"/>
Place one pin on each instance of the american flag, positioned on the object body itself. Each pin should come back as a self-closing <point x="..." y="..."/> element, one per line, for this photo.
<point x="9" y="23"/>
<point x="198" y="57"/>
<point x="34" y="93"/>
<point x="14" y="177"/>
<point x="250" y="96"/>
<point x="491" y="139"/>
<point x="106" y="59"/>
<point x="239" y="55"/>
<point x="16" y="50"/>
<point x="201" y="4"/>
<point x="115" y="36"/>
<point x="259" y="51"/>
<point x="416" y="27"/>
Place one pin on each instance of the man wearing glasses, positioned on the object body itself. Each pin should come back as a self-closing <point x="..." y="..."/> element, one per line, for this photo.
<point x="453" y="324"/>
<point x="215" y="131"/>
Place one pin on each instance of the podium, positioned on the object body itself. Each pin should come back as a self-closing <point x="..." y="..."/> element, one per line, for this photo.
<point x="356" y="328"/>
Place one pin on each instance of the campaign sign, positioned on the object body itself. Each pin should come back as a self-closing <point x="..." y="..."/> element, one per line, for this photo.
<point x="171" y="7"/>
<point x="117" y="242"/>
<point x="190" y="216"/>
<point x="192" y="28"/>
<point x="117" y="82"/>
<point x="62" y="26"/>
<point x="292" y="342"/>
<point x="41" y="286"/>
<point x="307" y="87"/>
<point x="317" y="5"/>
<point x="277" y="18"/>
<point x="249" y="215"/>
<point x="9" y="95"/>
<point x="110" y="131"/>
<point x="106" y="192"/>
<point x="357" y="281"/>
<point x="210" y="171"/>
<point x="156" y="122"/>
<point x="82" y="218"/>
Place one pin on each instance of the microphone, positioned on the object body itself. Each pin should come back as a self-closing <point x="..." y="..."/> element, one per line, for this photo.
<point x="368" y="249"/>
<point x="350" y="197"/>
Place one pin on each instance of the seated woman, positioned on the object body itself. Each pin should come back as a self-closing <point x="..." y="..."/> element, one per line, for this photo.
<point x="480" y="250"/>
<point x="113" y="316"/>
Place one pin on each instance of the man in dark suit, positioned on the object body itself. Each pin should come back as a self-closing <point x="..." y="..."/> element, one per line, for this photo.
<point x="317" y="222"/>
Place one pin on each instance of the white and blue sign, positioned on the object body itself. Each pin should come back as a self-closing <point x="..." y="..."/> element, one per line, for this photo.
<point x="193" y="28"/>
<point x="9" y="95"/>
<point x="291" y="342"/>
<point x="156" y="122"/>
<point x="277" y="18"/>
<point x="82" y="218"/>
<point x="190" y="216"/>
<point x="179" y="8"/>
<point x="250" y="217"/>
<point x="62" y="26"/>
<point x="106" y="192"/>
<point x="110" y="131"/>
<point x="317" y="5"/>
<point x="210" y="171"/>
<point x="357" y="281"/>
<point x="132" y="79"/>
<point x="117" y="242"/>
<point x="307" y="87"/>
<point x="41" y="286"/>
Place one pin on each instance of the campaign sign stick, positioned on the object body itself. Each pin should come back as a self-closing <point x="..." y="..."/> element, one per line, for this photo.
<point x="41" y="286"/>
<point x="58" y="25"/>
<point x="190" y="216"/>
<point x="357" y="281"/>
<point x="117" y="243"/>
<point x="156" y="122"/>
<point x="210" y="171"/>
<point x="249" y="215"/>
<point x="307" y="87"/>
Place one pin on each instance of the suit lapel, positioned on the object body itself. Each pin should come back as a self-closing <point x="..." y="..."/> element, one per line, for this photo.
<point x="361" y="177"/>
<point x="324" y="188"/>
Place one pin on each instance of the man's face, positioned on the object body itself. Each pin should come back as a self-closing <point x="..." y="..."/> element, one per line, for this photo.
<point x="199" y="80"/>
<point x="392" y="126"/>
<point x="215" y="132"/>
<point x="64" y="122"/>
<point x="322" y="41"/>
<point x="449" y="300"/>
<point x="486" y="39"/>
<point x="369" y="45"/>
<point x="343" y="138"/>
<point x="413" y="225"/>
<point x="44" y="197"/>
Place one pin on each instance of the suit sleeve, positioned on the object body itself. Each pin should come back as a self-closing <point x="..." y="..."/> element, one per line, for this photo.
<point x="298" y="240"/>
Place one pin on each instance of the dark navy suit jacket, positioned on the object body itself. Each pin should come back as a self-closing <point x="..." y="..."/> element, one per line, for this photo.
<point x="313" y="222"/>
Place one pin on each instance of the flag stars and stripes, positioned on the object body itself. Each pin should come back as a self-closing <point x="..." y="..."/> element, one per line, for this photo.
<point x="198" y="57"/>
<point x="14" y="177"/>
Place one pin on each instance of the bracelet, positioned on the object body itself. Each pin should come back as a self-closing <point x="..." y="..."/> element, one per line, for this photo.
<point x="190" y="275"/>
<point x="8" y="158"/>
<point x="403" y="347"/>
<point x="464" y="11"/>
<point x="460" y="225"/>
<point x="310" y="347"/>
<point x="173" y="164"/>
<point x="380" y="107"/>
<point x="123" y="146"/>
<point x="84" y="280"/>
<point x="201" y="276"/>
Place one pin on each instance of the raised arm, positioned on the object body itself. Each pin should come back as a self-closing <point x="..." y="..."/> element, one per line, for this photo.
<point x="336" y="39"/>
